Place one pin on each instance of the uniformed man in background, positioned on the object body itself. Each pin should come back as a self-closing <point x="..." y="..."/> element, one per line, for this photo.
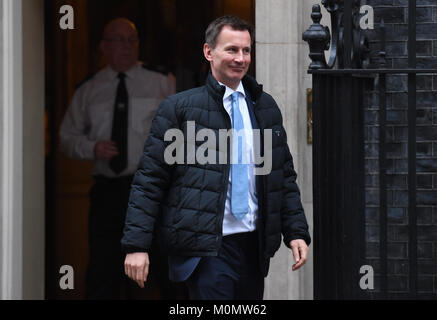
<point x="108" y="121"/>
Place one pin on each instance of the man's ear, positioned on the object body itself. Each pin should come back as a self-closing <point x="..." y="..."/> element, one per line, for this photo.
<point x="207" y="52"/>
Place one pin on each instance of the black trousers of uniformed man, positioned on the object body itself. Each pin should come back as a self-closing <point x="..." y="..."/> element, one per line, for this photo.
<point x="105" y="278"/>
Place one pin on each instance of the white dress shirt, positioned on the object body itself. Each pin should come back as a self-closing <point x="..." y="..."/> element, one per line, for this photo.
<point x="230" y="224"/>
<point x="89" y="117"/>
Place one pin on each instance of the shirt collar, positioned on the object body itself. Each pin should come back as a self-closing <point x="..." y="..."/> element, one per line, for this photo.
<point x="112" y="74"/>
<point x="229" y="91"/>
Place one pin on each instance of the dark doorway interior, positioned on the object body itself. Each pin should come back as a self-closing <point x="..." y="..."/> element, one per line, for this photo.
<point x="171" y="39"/>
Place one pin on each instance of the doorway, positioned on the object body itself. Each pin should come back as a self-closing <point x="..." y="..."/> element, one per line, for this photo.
<point x="171" y="39"/>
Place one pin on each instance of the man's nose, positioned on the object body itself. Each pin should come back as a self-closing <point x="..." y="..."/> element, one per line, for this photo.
<point x="239" y="56"/>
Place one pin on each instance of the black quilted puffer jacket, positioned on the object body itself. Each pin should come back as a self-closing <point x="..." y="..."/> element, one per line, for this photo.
<point x="183" y="204"/>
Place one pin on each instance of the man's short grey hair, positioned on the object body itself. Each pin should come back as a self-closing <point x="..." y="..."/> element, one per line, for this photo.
<point x="235" y="23"/>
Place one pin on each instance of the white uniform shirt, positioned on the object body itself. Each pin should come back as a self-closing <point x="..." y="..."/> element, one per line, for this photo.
<point x="230" y="224"/>
<point x="89" y="117"/>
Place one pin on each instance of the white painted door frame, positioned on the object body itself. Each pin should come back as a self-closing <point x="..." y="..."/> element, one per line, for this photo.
<point x="22" y="217"/>
<point x="11" y="151"/>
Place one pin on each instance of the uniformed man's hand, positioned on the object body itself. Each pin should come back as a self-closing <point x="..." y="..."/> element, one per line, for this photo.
<point x="300" y="252"/>
<point x="136" y="267"/>
<point x="105" y="150"/>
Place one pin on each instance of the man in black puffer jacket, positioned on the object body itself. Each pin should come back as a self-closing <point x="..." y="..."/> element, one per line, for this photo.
<point x="219" y="221"/>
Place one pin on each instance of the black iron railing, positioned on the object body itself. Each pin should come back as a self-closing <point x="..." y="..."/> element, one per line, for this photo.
<point x="338" y="149"/>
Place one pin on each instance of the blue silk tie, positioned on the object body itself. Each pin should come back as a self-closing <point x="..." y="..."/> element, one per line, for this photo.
<point x="240" y="179"/>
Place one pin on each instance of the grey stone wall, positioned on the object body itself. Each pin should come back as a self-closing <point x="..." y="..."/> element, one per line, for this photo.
<point x="395" y="14"/>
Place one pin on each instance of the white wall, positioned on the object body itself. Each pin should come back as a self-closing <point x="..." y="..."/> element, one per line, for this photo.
<point x="281" y="66"/>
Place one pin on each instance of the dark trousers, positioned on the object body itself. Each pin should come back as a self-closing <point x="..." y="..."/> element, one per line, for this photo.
<point x="232" y="275"/>
<point x="108" y="204"/>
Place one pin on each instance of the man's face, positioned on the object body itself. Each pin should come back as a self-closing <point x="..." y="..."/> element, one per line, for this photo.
<point x="230" y="59"/>
<point x="120" y="45"/>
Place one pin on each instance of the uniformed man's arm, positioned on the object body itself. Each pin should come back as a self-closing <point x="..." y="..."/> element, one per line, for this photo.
<point x="74" y="129"/>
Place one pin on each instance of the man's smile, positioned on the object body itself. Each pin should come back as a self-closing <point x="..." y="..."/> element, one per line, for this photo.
<point x="238" y="69"/>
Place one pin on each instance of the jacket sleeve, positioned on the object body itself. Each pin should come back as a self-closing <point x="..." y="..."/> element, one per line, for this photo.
<point x="150" y="184"/>
<point x="294" y="223"/>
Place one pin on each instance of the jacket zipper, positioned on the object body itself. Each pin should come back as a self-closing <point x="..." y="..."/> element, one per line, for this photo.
<point x="228" y="166"/>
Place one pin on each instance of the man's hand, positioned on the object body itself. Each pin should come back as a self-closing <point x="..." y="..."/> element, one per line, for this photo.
<point x="136" y="267"/>
<point x="300" y="253"/>
<point x="105" y="150"/>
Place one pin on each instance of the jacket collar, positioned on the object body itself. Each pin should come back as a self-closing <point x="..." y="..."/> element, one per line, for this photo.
<point x="229" y="91"/>
<point x="217" y="91"/>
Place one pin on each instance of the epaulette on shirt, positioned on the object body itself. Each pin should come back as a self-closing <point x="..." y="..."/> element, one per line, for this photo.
<point x="157" y="68"/>
<point x="85" y="80"/>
